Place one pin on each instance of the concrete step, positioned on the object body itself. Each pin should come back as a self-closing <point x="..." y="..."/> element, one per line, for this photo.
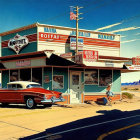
<point x="74" y="100"/>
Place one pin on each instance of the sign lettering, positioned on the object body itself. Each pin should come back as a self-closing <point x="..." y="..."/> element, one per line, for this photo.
<point x="103" y="36"/>
<point x="65" y="55"/>
<point x="17" y="43"/>
<point x="109" y="64"/>
<point x="136" y="60"/>
<point x="49" y="36"/>
<point x="84" y="34"/>
<point x="90" y="56"/>
<point x="23" y="63"/>
<point x="133" y="67"/>
<point x="50" y="30"/>
<point x="73" y="43"/>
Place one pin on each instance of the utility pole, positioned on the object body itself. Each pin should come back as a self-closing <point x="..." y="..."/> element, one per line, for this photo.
<point x="77" y="19"/>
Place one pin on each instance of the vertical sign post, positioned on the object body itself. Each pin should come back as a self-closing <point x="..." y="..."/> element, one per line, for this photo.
<point x="75" y="17"/>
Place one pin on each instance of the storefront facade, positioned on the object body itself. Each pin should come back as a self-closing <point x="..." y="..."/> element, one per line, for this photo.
<point x="46" y="54"/>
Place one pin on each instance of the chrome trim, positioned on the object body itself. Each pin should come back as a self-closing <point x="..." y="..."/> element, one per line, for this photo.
<point x="53" y="100"/>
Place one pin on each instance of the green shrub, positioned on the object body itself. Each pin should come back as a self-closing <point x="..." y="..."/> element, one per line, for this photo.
<point x="125" y="89"/>
<point x="136" y="88"/>
<point x="127" y="95"/>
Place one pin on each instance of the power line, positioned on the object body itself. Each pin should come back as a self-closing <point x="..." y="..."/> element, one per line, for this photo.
<point x="91" y="3"/>
<point x="99" y="6"/>
<point x="55" y="17"/>
<point x="130" y="18"/>
<point x="102" y="5"/>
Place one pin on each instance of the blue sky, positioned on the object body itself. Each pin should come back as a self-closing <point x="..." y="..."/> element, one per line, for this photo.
<point x="123" y="16"/>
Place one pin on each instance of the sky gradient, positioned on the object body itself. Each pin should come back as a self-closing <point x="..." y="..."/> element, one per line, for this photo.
<point x="115" y="16"/>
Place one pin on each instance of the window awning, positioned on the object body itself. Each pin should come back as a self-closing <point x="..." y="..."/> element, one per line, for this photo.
<point x="56" y="60"/>
<point x="37" y="59"/>
<point x="51" y="59"/>
<point x="2" y="66"/>
<point x="24" y="56"/>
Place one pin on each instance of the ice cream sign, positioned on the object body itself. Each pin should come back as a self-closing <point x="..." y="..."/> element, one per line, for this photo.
<point x="17" y="43"/>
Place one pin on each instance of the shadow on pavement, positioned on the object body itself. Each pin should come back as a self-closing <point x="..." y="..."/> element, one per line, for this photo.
<point x="109" y="125"/>
<point x="22" y="106"/>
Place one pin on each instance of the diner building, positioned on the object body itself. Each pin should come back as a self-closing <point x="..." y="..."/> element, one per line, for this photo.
<point x="46" y="54"/>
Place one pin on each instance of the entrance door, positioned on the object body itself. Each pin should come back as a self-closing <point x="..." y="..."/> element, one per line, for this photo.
<point x="75" y="87"/>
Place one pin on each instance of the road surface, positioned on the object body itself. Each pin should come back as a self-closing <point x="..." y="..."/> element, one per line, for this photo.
<point x="112" y="125"/>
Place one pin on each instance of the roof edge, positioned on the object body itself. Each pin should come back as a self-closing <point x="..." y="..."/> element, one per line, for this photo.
<point x="19" y="29"/>
<point x="71" y="28"/>
<point x="44" y="25"/>
<point x="114" y="57"/>
<point x="23" y="54"/>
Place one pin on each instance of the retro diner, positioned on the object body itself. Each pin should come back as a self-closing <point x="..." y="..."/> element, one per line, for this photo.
<point x="46" y="54"/>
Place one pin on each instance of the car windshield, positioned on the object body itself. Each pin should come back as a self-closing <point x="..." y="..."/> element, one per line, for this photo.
<point x="33" y="85"/>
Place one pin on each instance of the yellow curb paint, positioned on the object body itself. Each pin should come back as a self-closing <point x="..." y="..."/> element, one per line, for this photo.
<point x="117" y="130"/>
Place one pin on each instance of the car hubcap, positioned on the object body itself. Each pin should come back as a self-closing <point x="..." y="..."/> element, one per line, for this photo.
<point x="30" y="103"/>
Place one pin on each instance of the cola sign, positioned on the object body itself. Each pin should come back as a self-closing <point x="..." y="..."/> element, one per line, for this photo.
<point x="17" y="43"/>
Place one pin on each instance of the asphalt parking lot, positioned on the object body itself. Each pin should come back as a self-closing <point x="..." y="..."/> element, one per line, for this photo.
<point x="18" y="122"/>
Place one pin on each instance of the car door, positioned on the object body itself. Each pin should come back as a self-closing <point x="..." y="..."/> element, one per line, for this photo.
<point x="12" y="94"/>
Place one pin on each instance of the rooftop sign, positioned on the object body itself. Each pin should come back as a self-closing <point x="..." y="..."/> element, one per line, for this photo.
<point x="17" y="43"/>
<point x="136" y="60"/>
<point x="86" y="34"/>
<point x="133" y="67"/>
<point x="73" y="43"/>
<point x="90" y="55"/>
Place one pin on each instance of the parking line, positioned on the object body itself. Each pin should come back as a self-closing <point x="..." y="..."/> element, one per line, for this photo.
<point x="117" y="130"/>
<point x="70" y="130"/>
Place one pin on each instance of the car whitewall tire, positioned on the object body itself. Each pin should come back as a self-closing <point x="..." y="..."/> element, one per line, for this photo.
<point x="30" y="103"/>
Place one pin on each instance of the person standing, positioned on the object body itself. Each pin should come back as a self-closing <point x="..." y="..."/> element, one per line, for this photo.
<point x="109" y="94"/>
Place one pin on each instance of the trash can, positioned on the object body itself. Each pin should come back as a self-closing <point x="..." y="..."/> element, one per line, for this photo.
<point x="102" y="101"/>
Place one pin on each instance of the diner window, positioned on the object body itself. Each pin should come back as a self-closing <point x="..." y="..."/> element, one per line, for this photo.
<point x="14" y="75"/>
<point x="25" y="75"/>
<point x="58" y="82"/>
<point x="37" y="75"/>
<point x="105" y="77"/>
<point x="75" y="79"/>
<point x="91" y="77"/>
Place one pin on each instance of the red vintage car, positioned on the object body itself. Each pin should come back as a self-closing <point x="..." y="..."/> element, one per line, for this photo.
<point x="29" y="93"/>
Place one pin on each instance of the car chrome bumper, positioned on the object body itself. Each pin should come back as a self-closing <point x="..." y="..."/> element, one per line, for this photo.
<point x="53" y="100"/>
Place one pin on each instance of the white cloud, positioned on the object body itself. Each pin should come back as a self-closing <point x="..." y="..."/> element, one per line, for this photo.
<point x="127" y="41"/>
<point x="109" y="26"/>
<point x="124" y="29"/>
<point x="122" y="36"/>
